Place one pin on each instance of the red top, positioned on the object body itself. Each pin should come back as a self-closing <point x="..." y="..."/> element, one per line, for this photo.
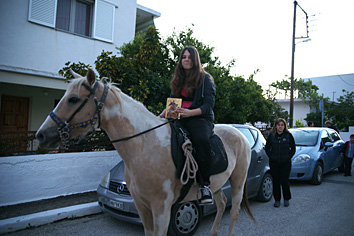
<point x="185" y="104"/>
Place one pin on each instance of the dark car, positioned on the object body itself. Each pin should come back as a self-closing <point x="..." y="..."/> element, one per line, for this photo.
<point x="317" y="153"/>
<point x="114" y="197"/>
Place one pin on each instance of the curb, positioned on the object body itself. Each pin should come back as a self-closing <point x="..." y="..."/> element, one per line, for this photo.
<point x="46" y="217"/>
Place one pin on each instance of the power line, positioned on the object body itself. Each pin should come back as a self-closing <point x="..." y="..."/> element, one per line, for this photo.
<point x="345" y="81"/>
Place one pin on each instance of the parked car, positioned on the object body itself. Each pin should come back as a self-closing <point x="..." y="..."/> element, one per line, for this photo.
<point x="114" y="197"/>
<point x="317" y="153"/>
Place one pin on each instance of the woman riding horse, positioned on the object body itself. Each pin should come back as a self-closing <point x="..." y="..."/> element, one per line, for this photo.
<point x="196" y="88"/>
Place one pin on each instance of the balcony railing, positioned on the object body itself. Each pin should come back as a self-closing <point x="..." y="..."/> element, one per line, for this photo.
<point x="25" y="143"/>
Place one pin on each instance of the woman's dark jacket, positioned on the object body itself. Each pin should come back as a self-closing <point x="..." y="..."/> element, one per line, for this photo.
<point x="204" y="98"/>
<point x="280" y="148"/>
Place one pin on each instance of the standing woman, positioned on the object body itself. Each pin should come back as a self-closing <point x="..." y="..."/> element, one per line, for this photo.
<point x="280" y="148"/>
<point x="197" y="90"/>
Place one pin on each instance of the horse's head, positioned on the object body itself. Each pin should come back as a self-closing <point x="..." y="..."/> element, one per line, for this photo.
<point x="75" y="115"/>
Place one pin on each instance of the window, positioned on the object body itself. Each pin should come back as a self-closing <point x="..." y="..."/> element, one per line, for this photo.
<point x="248" y="135"/>
<point x="334" y="135"/>
<point x="74" y="16"/>
<point x="325" y="138"/>
<point x="92" y="18"/>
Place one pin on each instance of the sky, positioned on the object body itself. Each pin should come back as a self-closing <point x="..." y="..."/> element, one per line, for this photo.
<point x="258" y="34"/>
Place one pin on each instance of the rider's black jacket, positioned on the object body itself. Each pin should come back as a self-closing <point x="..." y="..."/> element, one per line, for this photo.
<point x="204" y="98"/>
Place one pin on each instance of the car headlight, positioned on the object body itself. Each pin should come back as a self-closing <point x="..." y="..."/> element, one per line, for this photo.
<point x="105" y="181"/>
<point x="301" y="158"/>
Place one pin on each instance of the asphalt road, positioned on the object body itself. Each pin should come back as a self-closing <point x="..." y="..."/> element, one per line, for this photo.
<point x="327" y="209"/>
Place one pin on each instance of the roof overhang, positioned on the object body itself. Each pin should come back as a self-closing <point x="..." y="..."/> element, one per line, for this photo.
<point x="145" y="17"/>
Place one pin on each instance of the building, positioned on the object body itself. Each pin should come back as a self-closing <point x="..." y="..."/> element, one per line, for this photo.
<point x="37" y="39"/>
<point x="332" y="86"/>
<point x="328" y="86"/>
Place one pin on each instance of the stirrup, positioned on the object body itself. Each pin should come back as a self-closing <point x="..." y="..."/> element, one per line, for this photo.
<point x="201" y="189"/>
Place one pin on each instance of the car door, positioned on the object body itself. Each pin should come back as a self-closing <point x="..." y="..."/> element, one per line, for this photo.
<point x="253" y="170"/>
<point x="328" y="153"/>
<point x="337" y="146"/>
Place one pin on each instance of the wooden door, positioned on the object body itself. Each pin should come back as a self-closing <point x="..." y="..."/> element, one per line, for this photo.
<point x="14" y="113"/>
<point x="14" y="118"/>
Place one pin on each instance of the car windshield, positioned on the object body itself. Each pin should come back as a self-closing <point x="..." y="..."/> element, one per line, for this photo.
<point x="305" y="137"/>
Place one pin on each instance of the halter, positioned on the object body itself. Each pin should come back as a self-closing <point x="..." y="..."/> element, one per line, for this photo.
<point x="64" y="128"/>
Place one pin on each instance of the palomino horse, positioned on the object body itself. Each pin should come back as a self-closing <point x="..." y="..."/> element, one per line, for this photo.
<point x="149" y="169"/>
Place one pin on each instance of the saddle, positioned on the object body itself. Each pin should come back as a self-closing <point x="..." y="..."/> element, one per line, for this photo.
<point x="218" y="163"/>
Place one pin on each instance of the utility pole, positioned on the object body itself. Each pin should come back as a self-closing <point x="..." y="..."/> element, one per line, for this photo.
<point x="292" y="71"/>
<point x="291" y="119"/>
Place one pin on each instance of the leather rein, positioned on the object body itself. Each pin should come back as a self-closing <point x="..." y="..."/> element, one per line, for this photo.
<point x="64" y="128"/>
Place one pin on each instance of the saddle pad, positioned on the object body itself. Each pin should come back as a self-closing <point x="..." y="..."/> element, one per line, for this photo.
<point x="219" y="160"/>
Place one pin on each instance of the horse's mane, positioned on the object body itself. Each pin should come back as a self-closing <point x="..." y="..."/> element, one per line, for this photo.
<point x="120" y="95"/>
<point x="117" y="92"/>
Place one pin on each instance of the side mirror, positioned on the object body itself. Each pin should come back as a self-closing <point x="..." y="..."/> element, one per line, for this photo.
<point x="328" y="144"/>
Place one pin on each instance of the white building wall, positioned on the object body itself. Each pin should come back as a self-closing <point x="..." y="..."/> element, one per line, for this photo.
<point x="300" y="109"/>
<point x="28" y="45"/>
<point x="32" y="54"/>
<point x="332" y="86"/>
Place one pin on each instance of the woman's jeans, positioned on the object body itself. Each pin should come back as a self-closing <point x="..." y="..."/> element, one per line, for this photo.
<point x="200" y="130"/>
<point x="280" y="173"/>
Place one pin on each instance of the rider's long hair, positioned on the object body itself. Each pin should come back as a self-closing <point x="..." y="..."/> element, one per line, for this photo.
<point x="191" y="80"/>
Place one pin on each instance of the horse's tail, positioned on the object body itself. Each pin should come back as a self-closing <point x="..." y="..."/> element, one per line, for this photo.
<point x="245" y="205"/>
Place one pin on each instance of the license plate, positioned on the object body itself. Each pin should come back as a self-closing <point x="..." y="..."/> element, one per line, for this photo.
<point x="115" y="204"/>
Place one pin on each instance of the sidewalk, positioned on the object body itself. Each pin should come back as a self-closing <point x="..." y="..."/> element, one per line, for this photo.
<point x="21" y="216"/>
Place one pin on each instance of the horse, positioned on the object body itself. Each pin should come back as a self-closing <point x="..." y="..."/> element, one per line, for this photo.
<point x="150" y="173"/>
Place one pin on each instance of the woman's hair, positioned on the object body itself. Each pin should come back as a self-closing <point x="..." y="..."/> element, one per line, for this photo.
<point x="274" y="129"/>
<point x="180" y="76"/>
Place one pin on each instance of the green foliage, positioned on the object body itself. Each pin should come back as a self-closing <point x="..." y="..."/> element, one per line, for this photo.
<point x="305" y="90"/>
<point x="177" y="41"/>
<point x="316" y="117"/>
<point x="79" y="68"/>
<point x="277" y="111"/>
<point x="342" y="112"/>
<point x="299" y="123"/>
<point x="146" y="65"/>
<point x="141" y="71"/>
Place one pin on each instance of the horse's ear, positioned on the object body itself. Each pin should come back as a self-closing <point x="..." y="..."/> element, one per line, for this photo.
<point x="91" y="76"/>
<point x="76" y="76"/>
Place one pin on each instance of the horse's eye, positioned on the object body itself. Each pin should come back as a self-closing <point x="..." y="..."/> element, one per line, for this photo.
<point x="74" y="100"/>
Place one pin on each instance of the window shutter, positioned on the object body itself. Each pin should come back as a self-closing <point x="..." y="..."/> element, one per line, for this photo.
<point x="104" y="21"/>
<point x="43" y="12"/>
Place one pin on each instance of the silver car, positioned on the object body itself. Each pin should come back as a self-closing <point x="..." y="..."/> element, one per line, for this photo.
<point x="114" y="197"/>
<point x="317" y="153"/>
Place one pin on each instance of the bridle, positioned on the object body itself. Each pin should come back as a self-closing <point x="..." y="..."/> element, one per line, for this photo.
<point x="64" y="128"/>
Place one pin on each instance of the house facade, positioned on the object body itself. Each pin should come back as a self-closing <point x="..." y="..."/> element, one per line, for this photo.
<point x="39" y="37"/>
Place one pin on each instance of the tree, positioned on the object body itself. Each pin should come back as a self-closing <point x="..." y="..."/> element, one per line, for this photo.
<point x="277" y="110"/>
<point x="142" y="71"/>
<point x="146" y="66"/>
<point x="342" y="112"/>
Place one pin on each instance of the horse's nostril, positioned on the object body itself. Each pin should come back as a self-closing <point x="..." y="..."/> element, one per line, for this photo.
<point x="40" y="136"/>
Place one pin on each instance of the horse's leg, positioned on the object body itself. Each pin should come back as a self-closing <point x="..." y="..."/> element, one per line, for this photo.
<point x="220" y="201"/>
<point x="162" y="220"/>
<point x="237" y="181"/>
<point x="161" y="208"/>
<point x="146" y="217"/>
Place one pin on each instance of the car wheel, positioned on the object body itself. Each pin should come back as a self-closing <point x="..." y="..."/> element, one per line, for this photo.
<point x="265" y="192"/>
<point x="317" y="174"/>
<point x="185" y="219"/>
